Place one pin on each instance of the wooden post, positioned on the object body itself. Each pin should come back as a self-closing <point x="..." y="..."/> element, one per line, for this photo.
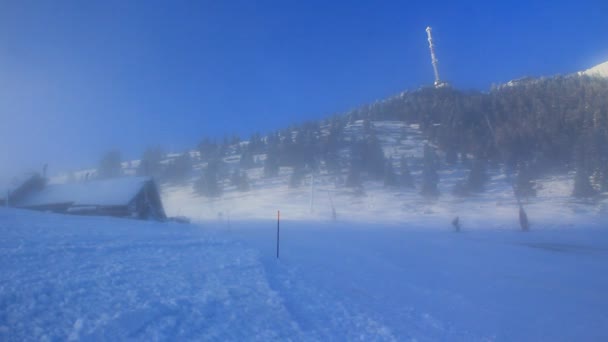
<point x="278" y="221"/>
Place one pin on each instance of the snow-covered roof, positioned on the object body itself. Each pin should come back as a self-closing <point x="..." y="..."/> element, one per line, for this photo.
<point x="106" y="192"/>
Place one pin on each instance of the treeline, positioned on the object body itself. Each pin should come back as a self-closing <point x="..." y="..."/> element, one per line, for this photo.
<point x="542" y="119"/>
<point x="532" y="127"/>
<point x="153" y="163"/>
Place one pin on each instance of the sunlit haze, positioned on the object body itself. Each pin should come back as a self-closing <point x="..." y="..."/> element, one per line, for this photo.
<point x="80" y="78"/>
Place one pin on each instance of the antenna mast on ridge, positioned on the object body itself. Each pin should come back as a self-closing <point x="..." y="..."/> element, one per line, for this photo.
<point x="438" y="83"/>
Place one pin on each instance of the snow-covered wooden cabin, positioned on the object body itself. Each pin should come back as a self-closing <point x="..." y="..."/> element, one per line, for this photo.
<point x="132" y="197"/>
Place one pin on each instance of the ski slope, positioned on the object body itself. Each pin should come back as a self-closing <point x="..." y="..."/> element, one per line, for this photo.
<point x="88" y="278"/>
<point x="496" y="207"/>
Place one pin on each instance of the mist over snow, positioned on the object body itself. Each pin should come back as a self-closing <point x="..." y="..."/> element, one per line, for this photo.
<point x="287" y="171"/>
<point x="400" y="220"/>
<point x="325" y="194"/>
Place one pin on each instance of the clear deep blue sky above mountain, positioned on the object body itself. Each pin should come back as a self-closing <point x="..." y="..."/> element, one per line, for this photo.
<point x="80" y="77"/>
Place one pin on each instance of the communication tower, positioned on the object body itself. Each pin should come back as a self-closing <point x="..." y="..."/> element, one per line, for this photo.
<point x="438" y="83"/>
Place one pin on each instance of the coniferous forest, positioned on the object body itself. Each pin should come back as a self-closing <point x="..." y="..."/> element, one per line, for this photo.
<point x="531" y="127"/>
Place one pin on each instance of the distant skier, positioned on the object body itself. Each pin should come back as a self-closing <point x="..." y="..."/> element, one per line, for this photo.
<point x="456" y="224"/>
<point x="523" y="219"/>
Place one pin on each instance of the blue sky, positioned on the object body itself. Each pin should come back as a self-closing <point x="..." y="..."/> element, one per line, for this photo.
<point x="80" y="77"/>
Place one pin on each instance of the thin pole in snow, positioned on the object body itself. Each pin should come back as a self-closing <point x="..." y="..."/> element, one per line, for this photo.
<point x="312" y="190"/>
<point x="278" y="221"/>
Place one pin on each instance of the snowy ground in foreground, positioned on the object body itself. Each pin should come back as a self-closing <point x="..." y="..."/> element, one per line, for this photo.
<point x="70" y="278"/>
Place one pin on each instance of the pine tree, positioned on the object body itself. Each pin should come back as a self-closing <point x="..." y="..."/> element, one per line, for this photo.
<point x="477" y="176"/>
<point x="271" y="164"/>
<point x="373" y="158"/>
<point x="224" y="148"/>
<point x="110" y="165"/>
<point x="353" y="179"/>
<point x="255" y="144"/>
<point x="208" y="185"/>
<point x="295" y="180"/>
<point x="390" y="178"/>
<point x="356" y="165"/>
<point x="330" y="147"/>
<point x="523" y="219"/>
<point x="582" y="185"/>
<point x="246" y="162"/>
<point x="240" y="180"/>
<point x="456" y="223"/>
<point x="430" y="179"/>
<point x="524" y="186"/>
<point x="603" y="179"/>
<point x="208" y="150"/>
<point x="243" y="185"/>
<point x="367" y="127"/>
<point x="451" y="156"/>
<point x="235" y="178"/>
<point x="150" y="163"/>
<point x="601" y="162"/>
<point x="179" y="169"/>
<point x="460" y="189"/>
<point x="406" y="179"/>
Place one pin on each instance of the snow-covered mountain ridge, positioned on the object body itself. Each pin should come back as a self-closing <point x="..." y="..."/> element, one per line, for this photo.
<point x="600" y="70"/>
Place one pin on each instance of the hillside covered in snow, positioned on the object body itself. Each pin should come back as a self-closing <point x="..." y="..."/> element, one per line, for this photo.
<point x="92" y="278"/>
<point x="429" y="154"/>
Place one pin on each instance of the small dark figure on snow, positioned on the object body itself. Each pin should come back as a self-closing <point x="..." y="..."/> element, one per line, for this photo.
<point x="456" y="224"/>
<point x="523" y="219"/>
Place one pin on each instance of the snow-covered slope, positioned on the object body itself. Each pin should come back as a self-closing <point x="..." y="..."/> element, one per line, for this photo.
<point x="496" y="207"/>
<point x="314" y="199"/>
<point x="71" y="278"/>
<point x="87" y="278"/>
<point x="600" y="70"/>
